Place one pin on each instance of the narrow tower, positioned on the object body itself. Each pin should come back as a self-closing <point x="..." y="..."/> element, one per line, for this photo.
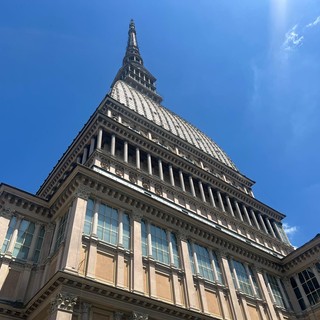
<point x="133" y="71"/>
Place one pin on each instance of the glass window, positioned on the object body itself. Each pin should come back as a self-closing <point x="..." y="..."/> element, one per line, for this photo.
<point x="38" y="244"/>
<point x="22" y="245"/>
<point x="89" y="217"/>
<point x="160" y="245"/>
<point x="297" y="293"/>
<point x="61" y="230"/>
<point x="126" y="231"/>
<point x="10" y="230"/>
<point x="276" y="290"/>
<point x="310" y="285"/>
<point x="144" y="239"/>
<point x="243" y="275"/>
<point x="205" y="264"/>
<point x="160" y="242"/>
<point x="108" y="221"/>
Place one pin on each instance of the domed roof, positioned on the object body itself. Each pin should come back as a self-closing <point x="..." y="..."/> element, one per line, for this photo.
<point x="161" y="116"/>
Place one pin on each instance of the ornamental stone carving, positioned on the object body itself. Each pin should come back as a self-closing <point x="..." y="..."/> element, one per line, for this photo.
<point x="119" y="171"/>
<point x="158" y="190"/>
<point x="63" y="301"/>
<point x="133" y="177"/>
<point x="139" y="316"/>
<point x="146" y="183"/>
<point x="7" y="212"/>
<point x="83" y="192"/>
<point x="118" y="316"/>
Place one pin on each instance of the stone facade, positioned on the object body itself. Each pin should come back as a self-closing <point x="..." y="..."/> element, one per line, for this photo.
<point x="144" y="217"/>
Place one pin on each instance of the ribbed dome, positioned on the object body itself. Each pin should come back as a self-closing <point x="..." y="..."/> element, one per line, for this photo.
<point x="166" y="119"/>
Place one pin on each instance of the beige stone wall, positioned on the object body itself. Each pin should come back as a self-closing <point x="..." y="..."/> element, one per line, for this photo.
<point x="214" y="306"/>
<point x="83" y="260"/>
<point x="8" y="291"/>
<point x="164" y="287"/>
<point x="254" y="312"/>
<point x="105" y="267"/>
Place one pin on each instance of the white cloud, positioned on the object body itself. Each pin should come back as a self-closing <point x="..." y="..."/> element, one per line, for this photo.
<point x="314" y="23"/>
<point x="289" y="230"/>
<point x="292" y="39"/>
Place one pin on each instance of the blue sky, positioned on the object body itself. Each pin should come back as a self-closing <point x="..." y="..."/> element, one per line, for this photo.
<point x="246" y="73"/>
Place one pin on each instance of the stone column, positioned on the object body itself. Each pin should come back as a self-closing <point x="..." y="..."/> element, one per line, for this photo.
<point x="137" y="269"/>
<point x="160" y="169"/>
<point x="85" y="155"/>
<point x="213" y="203"/>
<point x="238" y="210"/>
<point x="237" y="314"/>
<point x="149" y="240"/>
<point x="191" y="295"/>
<point x="193" y="192"/>
<point x="62" y="307"/>
<point x="246" y="214"/>
<point x="125" y="151"/>
<point x="149" y="163"/>
<point x="99" y="139"/>
<point x="254" y="219"/>
<point x="262" y="223"/>
<point x="74" y="231"/>
<point x="92" y="142"/>
<point x="182" y="181"/>
<point x="230" y="206"/>
<point x="171" y="175"/>
<point x="113" y="145"/>
<point x="85" y="311"/>
<point x="203" y="197"/>
<point x="220" y="201"/>
<point x="270" y="227"/>
<point x="138" y="163"/>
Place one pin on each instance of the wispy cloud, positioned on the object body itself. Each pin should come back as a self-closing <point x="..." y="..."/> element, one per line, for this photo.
<point x="292" y="39"/>
<point x="289" y="230"/>
<point x="314" y="23"/>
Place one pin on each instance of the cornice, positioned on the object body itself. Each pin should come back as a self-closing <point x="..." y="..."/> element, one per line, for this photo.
<point x="102" y="187"/>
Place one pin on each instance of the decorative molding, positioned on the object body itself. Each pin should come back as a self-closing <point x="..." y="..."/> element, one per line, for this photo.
<point x="63" y="301"/>
<point x="83" y="192"/>
<point x="118" y="315"/>
<point x="139" y="316"/>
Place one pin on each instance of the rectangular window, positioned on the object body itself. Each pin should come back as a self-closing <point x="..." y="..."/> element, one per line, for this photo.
<point x="38" y="245"/>
<point x="310" y="285"/>
<point x="244" y="279"/>
<point x="276" y="290"/>
<point x="89" y="217"/>
<point x="108" y="221"/>
<point x="126" y="231"/>
<point x="61" y="230"/>
<point x="144" y="239"/>
<point x="160" y="245"/>
<point x="206" y="266"/>
<point x="22" y="245"/>
<point x="10" y="230"/>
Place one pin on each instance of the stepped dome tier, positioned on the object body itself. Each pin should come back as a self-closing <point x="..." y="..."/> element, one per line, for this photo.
<point x="161" y="116"/>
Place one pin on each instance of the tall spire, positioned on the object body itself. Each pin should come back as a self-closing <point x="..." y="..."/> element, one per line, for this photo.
<point x="133" y="71"/>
